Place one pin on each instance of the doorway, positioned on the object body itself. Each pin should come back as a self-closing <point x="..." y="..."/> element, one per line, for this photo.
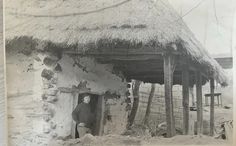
<point x="97" y="108"/>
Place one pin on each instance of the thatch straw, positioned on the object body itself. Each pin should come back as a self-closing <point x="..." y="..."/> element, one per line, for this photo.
<point x="88" y="21"/>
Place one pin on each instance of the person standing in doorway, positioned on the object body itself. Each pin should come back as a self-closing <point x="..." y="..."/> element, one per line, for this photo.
<point x="83" y="116"/>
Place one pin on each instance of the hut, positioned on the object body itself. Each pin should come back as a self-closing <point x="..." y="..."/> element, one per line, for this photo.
<point x="134" y="39"/>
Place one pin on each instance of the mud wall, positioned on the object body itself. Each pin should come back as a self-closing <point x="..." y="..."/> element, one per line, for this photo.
<point x="99" y="79"/>
<point x="38" y="111"/>
<point x="24" y="100"/>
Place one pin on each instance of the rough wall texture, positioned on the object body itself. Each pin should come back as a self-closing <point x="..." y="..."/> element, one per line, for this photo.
<point x="3" y="128"/>
<point x="38" y="111"/>
<point x="119" y="115"/>
<point x="2" y="106"/>
<point x="24" y="100"/>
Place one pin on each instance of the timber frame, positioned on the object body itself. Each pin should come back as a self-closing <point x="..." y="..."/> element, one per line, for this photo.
<point x="164" y="66"/>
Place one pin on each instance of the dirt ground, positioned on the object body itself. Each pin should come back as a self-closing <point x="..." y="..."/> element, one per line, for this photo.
<point x="118" y="140"/>
<point x="221" y="115"/>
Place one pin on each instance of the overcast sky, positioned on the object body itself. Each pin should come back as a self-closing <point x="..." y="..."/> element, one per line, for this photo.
<point x="211" y="21"/>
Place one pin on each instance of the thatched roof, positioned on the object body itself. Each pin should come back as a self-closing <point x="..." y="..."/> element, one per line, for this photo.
<point x="90" y="21"/>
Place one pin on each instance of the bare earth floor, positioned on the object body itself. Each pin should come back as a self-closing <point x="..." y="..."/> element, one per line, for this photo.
<point x="118" y="140"/>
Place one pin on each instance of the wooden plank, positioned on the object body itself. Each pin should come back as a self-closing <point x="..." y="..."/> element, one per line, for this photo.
<point x="212" y="87"/>
<point x="99" y="116"/>
<point x="185" y="102"/>
<point x="215" y="94"/>
<point x="74" y="104"/>
<point x="101" y="103"/>
<point x="199" y="102"/>
<point x="168" y="80"/>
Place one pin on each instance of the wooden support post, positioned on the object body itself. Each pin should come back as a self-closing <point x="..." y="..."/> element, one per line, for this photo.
<point x="135" y="103"/>
<point x="199" y="102"/>
<point x="168" y="80"/>
<point x="212" y="107"/>
<point x="218" y="100"/>
<point x="185" y="92"/>
<point x="148" y="110"/>
<point x="192" y="95"/>
<point x="100" y="116"/>
<point x="73" y="125"/>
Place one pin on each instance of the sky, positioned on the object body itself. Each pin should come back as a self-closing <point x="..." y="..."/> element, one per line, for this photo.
<point x="211" y="21"/>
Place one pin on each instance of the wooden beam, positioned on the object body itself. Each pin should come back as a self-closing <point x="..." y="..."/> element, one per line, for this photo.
<point x="199" y="102"/>
<point x="185" y="92"/>
<point x="120" y="51"/>
<point x="106" y="58"/>
<point x="168" y="81"/>
<point x="75" y="90"/>
<point x="212" y="87"/>
<point x="151" y="75"/>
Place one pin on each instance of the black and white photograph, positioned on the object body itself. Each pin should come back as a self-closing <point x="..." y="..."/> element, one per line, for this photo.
<point x="118" y="72"/>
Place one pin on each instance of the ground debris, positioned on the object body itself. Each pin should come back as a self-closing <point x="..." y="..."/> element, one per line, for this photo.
<point x="119" y="140"/>
<point x="138" y="130"/>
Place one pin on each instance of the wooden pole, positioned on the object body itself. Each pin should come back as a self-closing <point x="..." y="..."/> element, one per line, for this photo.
<point x="185" y="92"/>
<point x="100" y="116"/>
<point x="212" y="107"/>
<point x="101" y="127"/>
<point x="192" y="95"/>
<point x="199" y="102"/>
<point x="148" y="110"/>
<point x="135" y="103"/>
<point x="168" y="80"/>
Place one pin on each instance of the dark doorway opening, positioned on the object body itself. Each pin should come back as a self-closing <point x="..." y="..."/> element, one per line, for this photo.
<point x="96" y="104"/>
